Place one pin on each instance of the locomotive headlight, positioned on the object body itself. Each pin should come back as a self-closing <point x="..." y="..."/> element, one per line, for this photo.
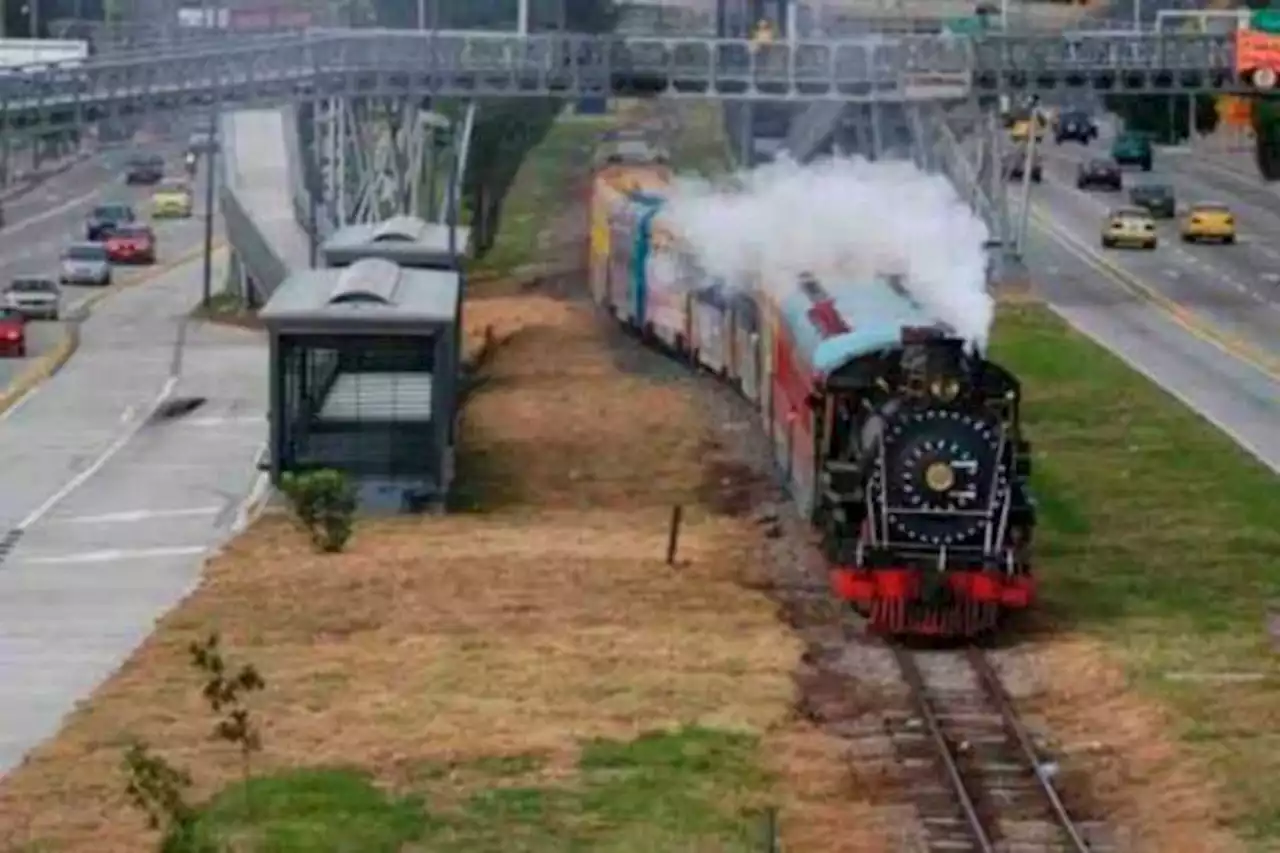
<point x="945" y="390"/>
<point x="940" y="477"/>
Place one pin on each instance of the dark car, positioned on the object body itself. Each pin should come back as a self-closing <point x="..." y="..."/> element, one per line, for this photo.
<point x="1156" y="198"/>
<point x="202" y="142"/>
<point x="1015" y="165"/>
<point x="105" y="218"/>
<point x="1103" y="174"/>
<point x="1075" y="126"/>
<point x="144" y="169"/>
<point x="1133" y="149"/>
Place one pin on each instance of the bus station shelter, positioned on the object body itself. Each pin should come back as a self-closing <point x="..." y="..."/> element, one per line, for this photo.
<point x="406" y="240"/>
<point x="364" y="379"/>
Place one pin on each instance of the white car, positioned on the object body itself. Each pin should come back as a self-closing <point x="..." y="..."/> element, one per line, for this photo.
<point x="85" y="263"/>
<point x="36" y="297"/>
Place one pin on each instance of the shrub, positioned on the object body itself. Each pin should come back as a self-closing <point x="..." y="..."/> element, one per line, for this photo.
<point x="325" y="504"/>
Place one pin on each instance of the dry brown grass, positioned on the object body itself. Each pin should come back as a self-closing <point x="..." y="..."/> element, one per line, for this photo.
<point x="1121" y="752"/>
<point x="452" y="638"/>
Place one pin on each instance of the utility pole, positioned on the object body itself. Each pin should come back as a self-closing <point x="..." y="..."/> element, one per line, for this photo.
<point x="206" y="292"/>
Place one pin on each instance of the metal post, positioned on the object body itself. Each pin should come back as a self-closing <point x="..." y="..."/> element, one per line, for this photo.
<point x="522" y="17"/>
<point x="206" y="280"/>
<point x="1026" y="181"/>
<point x="877" y="132"/>
<point x="1137" y="16"/>
<point x="422" y="14"/>
<point x="313" y="241"/>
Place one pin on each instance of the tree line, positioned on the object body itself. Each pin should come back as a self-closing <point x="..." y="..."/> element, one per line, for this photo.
<point x="506" y="129"/>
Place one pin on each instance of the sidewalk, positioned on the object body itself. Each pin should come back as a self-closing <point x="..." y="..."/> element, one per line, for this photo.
<point x="1232" y="151"/>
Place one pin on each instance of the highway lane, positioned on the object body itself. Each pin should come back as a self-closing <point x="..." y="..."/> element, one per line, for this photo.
<point x="1225" y="287"/>
<point x="1206" y="342"/>
<point x="44" y="221"/>
<point x="1241" y="400"/>
<point x="109" y="510"/>
<point x="1248" y="266"/>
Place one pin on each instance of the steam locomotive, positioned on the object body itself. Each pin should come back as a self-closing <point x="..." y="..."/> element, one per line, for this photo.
<point x="896" y="439"/>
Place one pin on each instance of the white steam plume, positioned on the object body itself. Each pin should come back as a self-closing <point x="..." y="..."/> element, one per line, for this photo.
<point x="846" y="221"/>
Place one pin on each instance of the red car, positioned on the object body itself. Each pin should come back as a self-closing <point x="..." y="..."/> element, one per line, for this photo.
<point x="131" y="244"/>
<point x="13" y="333"/>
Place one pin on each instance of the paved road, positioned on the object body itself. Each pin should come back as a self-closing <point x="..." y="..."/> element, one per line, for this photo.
<point x="1230" y="287"/>
<point x="110" y="510"/>
<point x="1214" y="343"/>
<point x="42" y="222"/>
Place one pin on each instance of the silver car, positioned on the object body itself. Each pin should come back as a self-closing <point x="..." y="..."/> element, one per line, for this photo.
<point x="85" y="263"/>
<point x="37" y="297"/>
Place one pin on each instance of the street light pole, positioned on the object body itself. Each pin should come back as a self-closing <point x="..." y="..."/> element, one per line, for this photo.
<point x="206" y="293"/>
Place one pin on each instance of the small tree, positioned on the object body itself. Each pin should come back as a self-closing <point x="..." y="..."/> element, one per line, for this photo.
<point x="325" y="504"/>
<point x="226" y="689"/>
<point x="159" y="790"/>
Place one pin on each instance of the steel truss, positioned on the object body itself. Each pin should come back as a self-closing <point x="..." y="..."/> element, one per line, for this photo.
<point x="325" y="64"/>
<point x="377" y="158"/>
<point x="964" y="144"/>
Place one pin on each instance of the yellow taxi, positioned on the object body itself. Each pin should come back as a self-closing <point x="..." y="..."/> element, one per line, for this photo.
<point x="1209" y="221"/>
<point x="1129" y="227"/>
<point x="172" y="199"/>
<point x="1021" y="128"/>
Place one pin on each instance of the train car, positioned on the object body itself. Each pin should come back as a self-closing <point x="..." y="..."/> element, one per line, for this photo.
<point x="614" y="187"/>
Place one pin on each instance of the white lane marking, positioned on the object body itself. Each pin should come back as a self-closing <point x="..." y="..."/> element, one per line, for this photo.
<point x="99" y="463"/>
<point x="1173" y="274"/>
<point x="133" y="516"/>
<point x="20" y="402"/>
<point x="69" y="204"/>
<point x="126" y="414"/>
<point x="114" y="555"/>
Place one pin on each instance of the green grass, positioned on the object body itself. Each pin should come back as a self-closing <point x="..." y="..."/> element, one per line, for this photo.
<point x="1163" y="537"/>
<point x="540" y="191"/>
<point x="700" y="145"/>
<point x="669" y="791"/>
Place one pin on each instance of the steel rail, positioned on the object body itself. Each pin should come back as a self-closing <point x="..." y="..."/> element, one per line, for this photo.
<point x="924" y="706"/>
<point x="990" y="681"/>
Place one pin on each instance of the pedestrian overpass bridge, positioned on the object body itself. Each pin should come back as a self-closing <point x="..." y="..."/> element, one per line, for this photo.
<point x="257" y="86"/>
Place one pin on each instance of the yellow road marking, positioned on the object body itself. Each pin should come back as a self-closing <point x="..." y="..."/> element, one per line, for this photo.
<point x="1188" y="320"/>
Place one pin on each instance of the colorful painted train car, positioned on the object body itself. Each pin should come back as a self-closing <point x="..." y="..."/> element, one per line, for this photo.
<point x="897" y="440"/>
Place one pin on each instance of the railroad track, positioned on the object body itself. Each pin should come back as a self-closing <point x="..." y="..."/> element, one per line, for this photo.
<point x="974" y="773"/>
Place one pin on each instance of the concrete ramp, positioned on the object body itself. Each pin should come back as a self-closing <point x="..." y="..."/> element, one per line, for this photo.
<point x="813" y="129"/>
<point x="258" y="202"/>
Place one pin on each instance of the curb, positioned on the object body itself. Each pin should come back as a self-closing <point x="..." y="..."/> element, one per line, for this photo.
<point x="49" y="363"/>
<point x="39" y="370"/>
